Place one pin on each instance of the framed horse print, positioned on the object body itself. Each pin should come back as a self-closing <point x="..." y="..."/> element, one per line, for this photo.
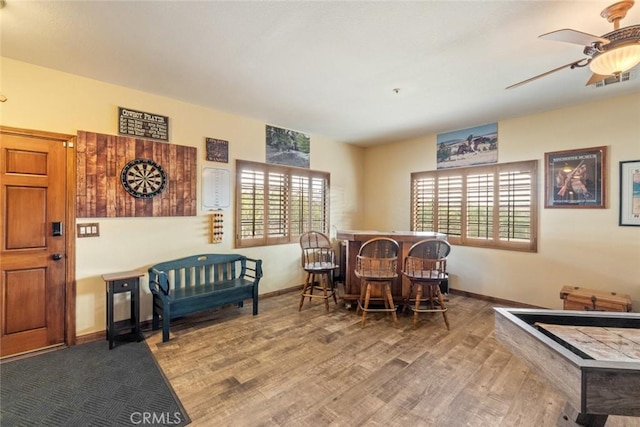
<point x="467" y="147"/>
<point x="576" y="178"/>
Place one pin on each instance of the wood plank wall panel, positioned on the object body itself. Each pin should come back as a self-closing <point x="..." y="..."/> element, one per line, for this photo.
<point x="100" y="159"/>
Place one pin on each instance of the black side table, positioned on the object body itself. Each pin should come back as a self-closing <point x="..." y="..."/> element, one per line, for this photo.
<point x="126" y="281"/>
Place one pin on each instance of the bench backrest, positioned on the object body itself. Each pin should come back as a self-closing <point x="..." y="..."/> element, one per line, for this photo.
<point x="198" y="270"/>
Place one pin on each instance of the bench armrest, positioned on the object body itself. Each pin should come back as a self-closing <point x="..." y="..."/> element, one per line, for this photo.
<point x="253" y="271"/>
<point x="155" y="288"/>
<point x="158" y="282"/>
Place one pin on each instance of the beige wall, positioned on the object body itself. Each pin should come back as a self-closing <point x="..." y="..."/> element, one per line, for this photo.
<point x="582" y="247"/>
<point x="44" y="99"/>
<point x="369" y="190"/>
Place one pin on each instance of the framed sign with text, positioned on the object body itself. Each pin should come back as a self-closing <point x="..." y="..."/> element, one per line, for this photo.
<point x="217" y="150"/>
<point x="139" y="124"/>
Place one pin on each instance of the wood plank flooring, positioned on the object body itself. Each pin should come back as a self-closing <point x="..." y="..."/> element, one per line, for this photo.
<point x="318" y="368"/>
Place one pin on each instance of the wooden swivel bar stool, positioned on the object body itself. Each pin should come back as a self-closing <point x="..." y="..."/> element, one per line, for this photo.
<point x="426" y="267"/>
<point x="376" y="267"/>
<point x="318" y="259"/>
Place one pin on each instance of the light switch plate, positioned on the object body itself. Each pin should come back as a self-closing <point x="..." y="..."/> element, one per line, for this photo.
<point x="88" y="230"/>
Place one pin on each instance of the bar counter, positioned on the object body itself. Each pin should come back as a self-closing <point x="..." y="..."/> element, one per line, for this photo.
<point x="355" y="238"/>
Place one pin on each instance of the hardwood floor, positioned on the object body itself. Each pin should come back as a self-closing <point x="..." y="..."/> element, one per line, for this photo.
<point x="313" y="368"/>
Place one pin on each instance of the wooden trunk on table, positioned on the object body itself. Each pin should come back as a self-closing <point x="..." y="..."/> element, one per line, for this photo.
<point x="355" y="238"/>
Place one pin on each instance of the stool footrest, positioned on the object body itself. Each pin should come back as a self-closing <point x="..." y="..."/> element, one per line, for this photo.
<point x="428" y="310"/>
<point x="329" y="295"/>
<point x="368" y="309"/>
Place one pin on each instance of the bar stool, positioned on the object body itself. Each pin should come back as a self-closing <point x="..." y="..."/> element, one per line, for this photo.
<point x="318" y="259"/>
<point x="377" y="267"/>
<point x="426" y="268"/>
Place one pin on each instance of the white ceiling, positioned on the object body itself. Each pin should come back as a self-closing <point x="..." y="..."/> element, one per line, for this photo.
<point x="325" y="67"/>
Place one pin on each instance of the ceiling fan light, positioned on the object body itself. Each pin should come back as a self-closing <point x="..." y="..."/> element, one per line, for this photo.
<point x="616" y="61"/>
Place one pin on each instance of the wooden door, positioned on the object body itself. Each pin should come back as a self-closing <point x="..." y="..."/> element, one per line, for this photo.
<point x="34" y="234"/>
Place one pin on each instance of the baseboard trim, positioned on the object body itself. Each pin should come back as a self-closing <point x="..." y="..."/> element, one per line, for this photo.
<point x="281" y="291"/>
<point x="494" y="300"/>
<point x="93" y="336"/>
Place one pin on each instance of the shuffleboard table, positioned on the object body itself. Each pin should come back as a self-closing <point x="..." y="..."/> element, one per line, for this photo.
<point x="592" y="358"/>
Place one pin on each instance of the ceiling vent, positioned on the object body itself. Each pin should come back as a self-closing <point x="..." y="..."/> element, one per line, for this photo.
<point x="614" y="79"/>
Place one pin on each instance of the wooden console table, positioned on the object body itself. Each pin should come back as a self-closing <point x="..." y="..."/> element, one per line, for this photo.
<point x="116" y="283"/>
<point x="355" y="239"/>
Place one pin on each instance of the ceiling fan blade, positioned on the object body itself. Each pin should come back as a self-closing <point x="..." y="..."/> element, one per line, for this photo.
<point x="545" y="74"/>
<point x="572" y="36"/>
<point x="595" y="78"/>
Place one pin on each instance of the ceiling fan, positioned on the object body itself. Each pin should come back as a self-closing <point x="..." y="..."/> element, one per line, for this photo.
<point x="609" y="55"/>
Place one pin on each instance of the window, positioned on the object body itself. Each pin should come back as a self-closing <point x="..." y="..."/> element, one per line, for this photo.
<point x="276" y="204"/>
<point x="487" y="206"/>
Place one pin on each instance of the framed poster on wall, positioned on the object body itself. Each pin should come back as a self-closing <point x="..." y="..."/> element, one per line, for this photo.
<point x="576" y="178"/>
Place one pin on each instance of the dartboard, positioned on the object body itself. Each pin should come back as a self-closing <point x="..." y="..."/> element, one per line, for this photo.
<point x="143" y="178"/>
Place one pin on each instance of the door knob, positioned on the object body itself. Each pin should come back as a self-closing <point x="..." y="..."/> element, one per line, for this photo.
<point x="57" y="257"/>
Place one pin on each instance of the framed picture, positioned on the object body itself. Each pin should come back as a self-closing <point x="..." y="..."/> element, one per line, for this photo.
<point x="630" y="193"/>
<point x="576" y="178"/>
<point x="287" y="147"/>
<point x="467" y="147"/>
<point x="217" y="150"/>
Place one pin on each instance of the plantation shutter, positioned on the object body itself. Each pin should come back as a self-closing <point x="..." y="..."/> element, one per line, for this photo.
<point x="449" y="205"/>
<point x="319" y="204"/>
<point x="251" y="207"/>
<point x="424" y="203"/>
<point x="480" y="206"/>
<point x="516" y="205"/>
<point x="300" y="212"/>
<point x="278" y="208"/>
<point x="489" y="206"/>
<point x="276" y="204"/>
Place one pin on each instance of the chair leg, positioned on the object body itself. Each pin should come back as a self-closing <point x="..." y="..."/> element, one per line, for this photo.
<point x="366" y="304"/>
<point x="417" y="307"/>
<point x="304" y="291"/>
<point x="407" y="301"/>
<point x="432" y="305"/>
<point x="385" y="300"/>
<point x="312" y="286"/>
<point x="442" y="306"/>
<point x="387" y="289"/>
<point x="361" y="300"/>
<point x="333" y="288"/>
<point x="323" y="280"/>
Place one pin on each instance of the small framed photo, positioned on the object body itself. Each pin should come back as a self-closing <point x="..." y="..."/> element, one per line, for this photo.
<point x="217" y="150"/>
<point x="630" y="193"/>
<point x="576" y="178"/>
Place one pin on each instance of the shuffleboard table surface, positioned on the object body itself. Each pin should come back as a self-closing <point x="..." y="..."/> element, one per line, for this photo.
<point x="599" y="343"/>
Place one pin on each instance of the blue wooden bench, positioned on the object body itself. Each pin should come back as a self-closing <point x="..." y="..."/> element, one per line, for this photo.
<point x="201" y="282"/>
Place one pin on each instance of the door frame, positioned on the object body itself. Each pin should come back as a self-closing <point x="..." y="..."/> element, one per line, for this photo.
<point x="70" y="219"/>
